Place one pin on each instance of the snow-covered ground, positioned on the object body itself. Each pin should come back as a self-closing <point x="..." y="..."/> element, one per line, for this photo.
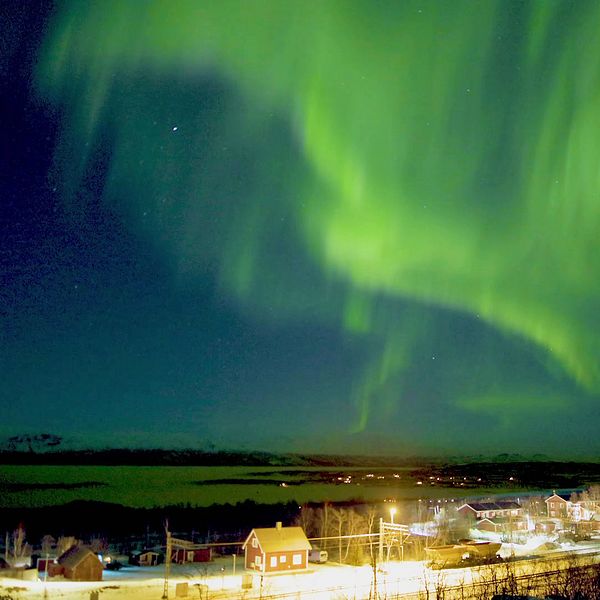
<point x="217" y="580"/>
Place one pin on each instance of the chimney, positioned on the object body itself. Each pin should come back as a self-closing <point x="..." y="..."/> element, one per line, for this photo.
<point x="278" y="525"/>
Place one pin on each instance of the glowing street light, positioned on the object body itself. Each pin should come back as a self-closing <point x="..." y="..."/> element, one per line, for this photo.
<point x="392" y="513"/>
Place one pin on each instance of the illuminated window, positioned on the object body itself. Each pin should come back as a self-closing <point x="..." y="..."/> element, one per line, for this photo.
<point x="273" y="561"/>
<point x="297" y="559"/>
<point x="254" y="542"/>
<point x="283" y="558"/>
<point x="258" y="561"/>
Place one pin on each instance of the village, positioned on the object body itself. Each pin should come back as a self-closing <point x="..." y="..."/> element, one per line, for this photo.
<point x="359" y="544"/>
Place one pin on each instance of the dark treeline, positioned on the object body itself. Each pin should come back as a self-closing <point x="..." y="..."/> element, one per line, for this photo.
<point x="85" y="520"/>
<point x="28" y="487"/>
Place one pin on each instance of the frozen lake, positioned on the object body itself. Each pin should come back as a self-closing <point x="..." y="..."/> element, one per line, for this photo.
<point x="141" y="486"/>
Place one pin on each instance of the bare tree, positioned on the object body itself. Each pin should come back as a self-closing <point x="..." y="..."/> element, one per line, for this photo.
<point x="98" y="545"/>
<point x="65" y="543"/>
<point x="324" y="522"/>
<point x="18" y="551"/>
<point x="337" y="525"/>
<point x="47" y="544"/>
<point x="371" y="520"/>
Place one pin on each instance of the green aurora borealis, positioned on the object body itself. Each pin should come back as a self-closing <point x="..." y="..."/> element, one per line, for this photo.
<point x="411" y="187"/>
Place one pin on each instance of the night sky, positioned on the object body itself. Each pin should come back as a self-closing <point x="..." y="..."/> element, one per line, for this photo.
<point x="330" y="226"/>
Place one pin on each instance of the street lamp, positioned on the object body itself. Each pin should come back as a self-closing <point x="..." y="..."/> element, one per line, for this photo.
<point x="392" y="513"/>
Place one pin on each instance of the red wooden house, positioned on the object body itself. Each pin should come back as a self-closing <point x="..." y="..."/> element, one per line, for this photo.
<point x="561" y="506"/>
<point x="490" y="510"/>
<point x="558" y="505"/>
<point x="79" y="564"/>
<point x="276" y="549"/>
<point x="191" y="555"/>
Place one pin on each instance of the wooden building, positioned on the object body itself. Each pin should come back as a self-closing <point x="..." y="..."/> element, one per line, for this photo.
<point x="79" y="564"/>
<point x="43" y="564"/>
<point x="145" y="558"/>
<point x="560" y="506"/>
<point x="276" y="549"/>
<point x="181" y="556"/>
<point x="490" y="510"/>
<point x="502" y="525"/>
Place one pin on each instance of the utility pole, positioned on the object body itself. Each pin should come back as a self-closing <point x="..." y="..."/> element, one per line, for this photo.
<point x="167" y="562"/>
<point x="373" y="595"/>
<point x="46" y="577"/>
<point x="380" y="540"/>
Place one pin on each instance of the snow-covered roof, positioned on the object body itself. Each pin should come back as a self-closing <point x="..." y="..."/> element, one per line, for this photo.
<point x="564" y="497"/>
<point x="280" y="539"/>
<point x="74" y="556"/>
<point x="485" y="506"/>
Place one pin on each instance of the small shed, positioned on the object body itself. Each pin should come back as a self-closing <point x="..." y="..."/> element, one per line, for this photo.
<point x="145" y="558"/>
<point x="276" y="549"/>
<point x="80" y="564"/>
<point x="43" y="564"/>
<point x="487" y="525"/>
<point x="545" y="526"/>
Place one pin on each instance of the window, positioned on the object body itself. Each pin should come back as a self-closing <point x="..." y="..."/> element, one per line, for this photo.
<point x="273" y="561"/>
<point x="254" y="542"/>
<point x="283" y="558"/>
<point x="257" y="560"/>
<point x="297" y="559"/>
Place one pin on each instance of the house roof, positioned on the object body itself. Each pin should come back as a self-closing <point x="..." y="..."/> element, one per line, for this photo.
<point x="280" y="539"/>
<point x="502" y="520"/>
<point x="564" y="497"/>
<point x="74" y="556"/>
<point x="482" y="521"/>
<point x="484" y="506"/>
<point x="145" y="551"/>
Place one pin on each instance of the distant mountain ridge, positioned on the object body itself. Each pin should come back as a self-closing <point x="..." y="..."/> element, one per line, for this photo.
<point x="170" y="457"/>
